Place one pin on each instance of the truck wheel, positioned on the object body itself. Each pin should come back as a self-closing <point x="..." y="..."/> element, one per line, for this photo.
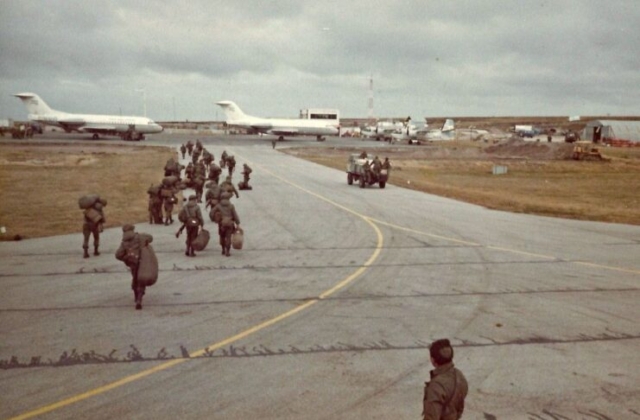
<point x="350" y="179"/>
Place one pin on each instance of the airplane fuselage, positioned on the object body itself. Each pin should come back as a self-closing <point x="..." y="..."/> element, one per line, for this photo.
<point x="127" y="127"/>
<point x="282" y="126"/>
<point x="103" y="124"/>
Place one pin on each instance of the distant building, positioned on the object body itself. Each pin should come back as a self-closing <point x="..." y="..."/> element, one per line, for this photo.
<point x="612" y="131"/>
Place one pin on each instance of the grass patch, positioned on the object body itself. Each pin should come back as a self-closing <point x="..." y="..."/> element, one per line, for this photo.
<point x="41" y="184"/>
<point x="599" y="191"/>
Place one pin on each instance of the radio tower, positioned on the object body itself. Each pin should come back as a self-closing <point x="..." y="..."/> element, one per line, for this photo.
<point x="371" y="99"/>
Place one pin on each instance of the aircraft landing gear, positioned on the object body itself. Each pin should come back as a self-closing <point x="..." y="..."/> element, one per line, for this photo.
<point x="95" y="136"/>
<point x="320" y="138"/>
<point x="281" y="138"/>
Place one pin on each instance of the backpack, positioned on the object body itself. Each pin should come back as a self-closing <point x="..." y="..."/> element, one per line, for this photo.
<point x="191" y="221"/>
<point x="132" y="254"/>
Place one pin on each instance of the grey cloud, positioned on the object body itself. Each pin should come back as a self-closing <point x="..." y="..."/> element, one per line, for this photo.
<point x="437" y="57"/>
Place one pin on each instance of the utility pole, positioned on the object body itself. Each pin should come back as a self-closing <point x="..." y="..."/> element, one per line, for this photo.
<point x="370" y="99"/>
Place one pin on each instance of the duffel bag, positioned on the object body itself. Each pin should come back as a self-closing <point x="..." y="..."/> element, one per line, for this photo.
<point x="148" y="267"/>
<point x="237" y="239"/>
<point x="170" y="181"/>
<point x="92" y="214"/>
<point x="88" y="200"/>
<point x="201" y="240"/>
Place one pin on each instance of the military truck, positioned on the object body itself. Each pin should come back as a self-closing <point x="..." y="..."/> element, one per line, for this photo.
<point x="359" y="170"/>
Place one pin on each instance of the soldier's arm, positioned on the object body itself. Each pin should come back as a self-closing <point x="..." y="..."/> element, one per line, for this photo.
<point x="199" y="216"/>
<point x="234" y="214"/>
<point x="120" y="252"/>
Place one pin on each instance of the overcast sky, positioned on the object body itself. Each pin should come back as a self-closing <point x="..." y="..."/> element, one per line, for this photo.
<point x="427" y="58"/>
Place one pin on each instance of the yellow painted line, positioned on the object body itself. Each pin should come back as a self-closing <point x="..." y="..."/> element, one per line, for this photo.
<point x="509" y="250"/>
<point x="226" y="341"/>
<point x="607" y="267"/>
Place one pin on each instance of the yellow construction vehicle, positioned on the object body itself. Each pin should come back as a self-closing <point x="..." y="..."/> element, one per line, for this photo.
<point x="584" y="150"/>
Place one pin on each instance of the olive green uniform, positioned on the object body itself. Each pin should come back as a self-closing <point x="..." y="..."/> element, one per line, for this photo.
<point x="227" y="225"/>
<point x="191" y="209"/>
<point x="133" y="241"/>
<point x="444" y="395"/>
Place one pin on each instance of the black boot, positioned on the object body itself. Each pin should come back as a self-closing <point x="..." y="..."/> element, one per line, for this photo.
<point x="227" y="252"/>
<point x="86" y="253"/>
<point x="139" y="294"/>
<point x="95" y="250"/>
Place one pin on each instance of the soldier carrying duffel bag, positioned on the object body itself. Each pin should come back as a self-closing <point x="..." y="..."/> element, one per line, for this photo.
<point x="94" y="219"/>
<point x="191" y="218"/>
<point x="138" y="255"/>
<point x="229" y="221"/>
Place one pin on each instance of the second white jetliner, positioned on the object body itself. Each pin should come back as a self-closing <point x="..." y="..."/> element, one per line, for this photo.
<point x="280" y="127"/>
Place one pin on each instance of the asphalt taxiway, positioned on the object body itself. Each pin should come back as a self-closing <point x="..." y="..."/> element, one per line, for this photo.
<point x="328" y="310"/>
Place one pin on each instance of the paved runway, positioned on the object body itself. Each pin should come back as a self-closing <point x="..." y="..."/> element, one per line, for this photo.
<point x="328" y="310"/>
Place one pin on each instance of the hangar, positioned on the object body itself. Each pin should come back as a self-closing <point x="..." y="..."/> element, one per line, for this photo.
<point x="615" y="132"/>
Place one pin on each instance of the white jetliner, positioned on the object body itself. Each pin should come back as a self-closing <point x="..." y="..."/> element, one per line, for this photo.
<point x="127" y="127"/>
<point x="279" y="126"/>
<point x="412" y="133"/>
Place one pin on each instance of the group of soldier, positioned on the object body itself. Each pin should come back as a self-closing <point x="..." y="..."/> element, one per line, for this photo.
<point x="375" y="166"/>
<point x="201" y="172"/>
<point x="163" y="196"/>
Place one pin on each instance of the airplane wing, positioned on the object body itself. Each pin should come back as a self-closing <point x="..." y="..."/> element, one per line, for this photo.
<point x="71" y="123"/>
<point x="261" y="127"/>
<point x="284" y="131"/>
<point x="99" y="129"/>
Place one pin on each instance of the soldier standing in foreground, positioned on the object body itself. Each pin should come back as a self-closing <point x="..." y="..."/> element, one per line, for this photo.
<point x="229" y="221"/>
<point x="129" y="253"/>
<point x="444" y="395"/>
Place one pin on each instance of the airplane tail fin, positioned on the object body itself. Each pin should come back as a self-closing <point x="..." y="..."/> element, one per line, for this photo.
<point x="448" y="126"/>
<point x="231" y="110"/>
<point x="35" y="105"/>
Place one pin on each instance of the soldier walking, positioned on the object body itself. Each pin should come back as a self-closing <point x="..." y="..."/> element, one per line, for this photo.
<point x="183" y="150"/>
<point x="129" y="253"/>
<point x="245" y="173"/>
<point x="191" y="218"/>
<point x="231" y="164"/>
<point x="190" y="147"/>
<point x="229" y="222"/>
<point x="214" y="172"/>
<point x="227" y="186"/>
<point x="168" y="202"/>
<point x="93" y="222"/>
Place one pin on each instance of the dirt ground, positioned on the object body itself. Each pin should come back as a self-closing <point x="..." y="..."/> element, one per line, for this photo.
<point x="41" y="184"/>
<point x="542" y="178"/>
